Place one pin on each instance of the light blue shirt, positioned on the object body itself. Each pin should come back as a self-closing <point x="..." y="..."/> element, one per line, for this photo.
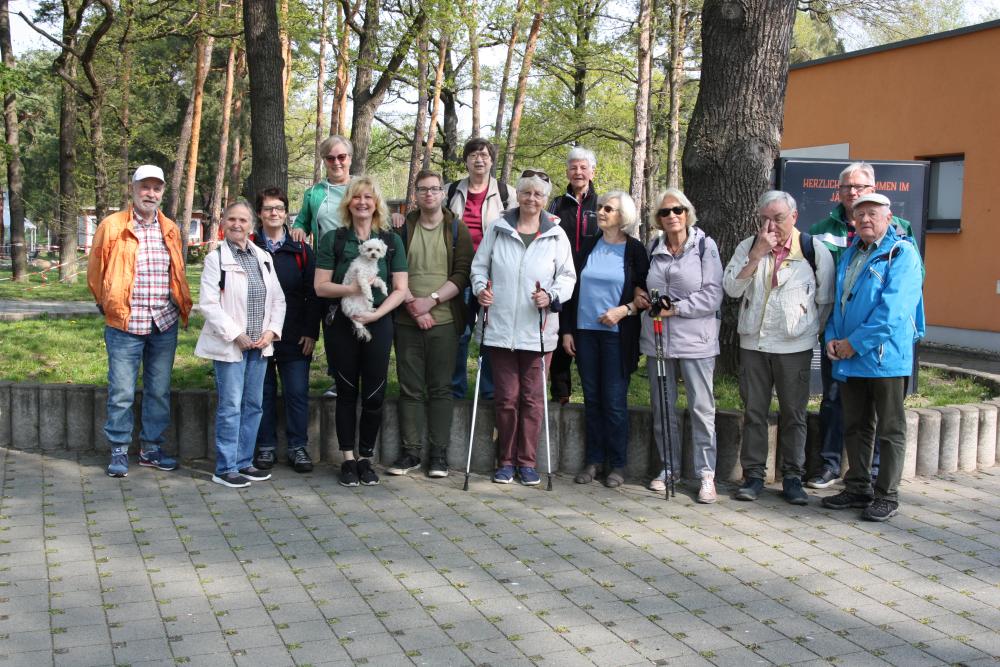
<point x="601" y="284"/>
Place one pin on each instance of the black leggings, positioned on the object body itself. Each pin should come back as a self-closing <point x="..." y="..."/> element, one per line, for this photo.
<point x="363" y="366"/>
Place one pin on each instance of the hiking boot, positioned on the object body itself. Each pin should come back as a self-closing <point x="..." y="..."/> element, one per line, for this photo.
<point x="119" y="462"/>
<point x="881" y="509"/>
<point x="300" y="461"/>
<point x="366" y="474"/>
<point x="231" y="479"/>
<point x="255" y="475"/>
<point x="504" y="475"/>
<point x="846" y="499"/>
<point x="331" y="391"/>
<point x="438" y="468"/>
<point x="706" y="494"/>
<point x="264" y="459"/>
<point x="823" y="480"/>
<point x="527" y="476"/>
<point x="155" y="458"/>
<point x="791" y="489"/>
<point x="751" y="489"/>
<point x="404" y="464"/>
<point x="587" y="475"/>
<point x="349" y="473"/>
<point x="615" y="478"/>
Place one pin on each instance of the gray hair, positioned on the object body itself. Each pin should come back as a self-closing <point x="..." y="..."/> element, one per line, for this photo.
<point x="772" y="196"/>
<point x="581" y="153"/>
<point x="236" y="204"/>
<point x="626" y="209"/>
<point x="534" y="183"/>
<point x="334" y="140"/>
<point x="863" y="167"/>
<point x="692" y="217"/>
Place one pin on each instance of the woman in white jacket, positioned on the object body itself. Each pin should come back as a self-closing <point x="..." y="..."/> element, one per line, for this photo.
<point x="244" y="309"/>
<point x="522" y="271"/>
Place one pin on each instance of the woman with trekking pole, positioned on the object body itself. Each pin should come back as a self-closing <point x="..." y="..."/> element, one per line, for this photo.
<point x="600" y="328"/>
<point x="523" y="272"/>
<point x="686" y="272"/>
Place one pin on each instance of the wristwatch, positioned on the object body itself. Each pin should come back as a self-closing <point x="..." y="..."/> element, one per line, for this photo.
<point x="628" y="308"/>
<point x="436" y="297"/>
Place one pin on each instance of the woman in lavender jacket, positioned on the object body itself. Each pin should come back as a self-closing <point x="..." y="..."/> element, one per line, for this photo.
<point x="684" y="266"/>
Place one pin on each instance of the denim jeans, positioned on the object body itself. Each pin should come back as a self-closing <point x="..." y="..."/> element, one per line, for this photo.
<point x="460" y="380"/>
<point x="605" y="396"/>
<point x="155" y="351"/>
<point x="241" y="387"/>
<point x="293" y="367"/>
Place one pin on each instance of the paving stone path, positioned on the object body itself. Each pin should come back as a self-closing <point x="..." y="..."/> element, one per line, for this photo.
<point x="168" y="568"/>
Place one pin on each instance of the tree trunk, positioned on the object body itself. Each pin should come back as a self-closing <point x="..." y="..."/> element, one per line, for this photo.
<point x="286" y="52"/>
<point x="123" y="114"/>
<point x="472" y="25"/>
<point x="522" y="85"/>
<point x="204" y="64"/>
<point x="269" y="160"/>
<point x="338" y="113"/>
<point x="68" y="206"/>
<point x="418" y="126"/>
<point x="180" y="158"/>
<point x="452" y="161"/>
<point x="735" y="129"/>
<point x="583" y="24"/>
<point x="220" y="165"/>
<point x="239" y="131"/>
<point x="15" y="173"/>
<point x="507" y="66"/>
<point x="320" y="84"/>
<point x="675" y="79"/>
<point x="639" y="140"/>
<point x="436" y="108"/>
<point x="102" y="183"/>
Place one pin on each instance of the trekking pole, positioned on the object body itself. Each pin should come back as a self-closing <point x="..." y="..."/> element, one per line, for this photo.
<point x="475" y="396"/>
<point x="545" y="395"/>
<point x="661" y="376"/>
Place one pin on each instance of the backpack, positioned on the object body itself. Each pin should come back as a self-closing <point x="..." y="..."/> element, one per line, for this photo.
<point x="222" y="271"/>
<point x="501" y="186"/>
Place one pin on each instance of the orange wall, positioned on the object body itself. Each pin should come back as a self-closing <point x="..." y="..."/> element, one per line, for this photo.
<point x="936" y="98"/>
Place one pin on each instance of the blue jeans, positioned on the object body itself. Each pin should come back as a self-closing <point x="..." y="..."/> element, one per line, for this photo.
<point x="605" y="396"/>
<point x="155" y="351"/>
<point x="293" y="367"/>
<point x="460" y="380"/>
<point x="241" y="387"/>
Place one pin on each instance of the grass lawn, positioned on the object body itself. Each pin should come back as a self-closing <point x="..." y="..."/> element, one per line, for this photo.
<point x="63" y="350"/>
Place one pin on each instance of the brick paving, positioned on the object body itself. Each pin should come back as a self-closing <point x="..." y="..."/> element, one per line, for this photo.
<point x="168" y="568"/>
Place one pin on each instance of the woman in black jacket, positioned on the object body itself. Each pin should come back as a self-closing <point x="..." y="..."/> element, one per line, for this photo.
<point x="601" y="329"/>
<point x="294" y="265"/>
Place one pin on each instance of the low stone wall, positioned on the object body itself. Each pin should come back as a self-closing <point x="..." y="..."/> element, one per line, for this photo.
<point x="71" y="418"/>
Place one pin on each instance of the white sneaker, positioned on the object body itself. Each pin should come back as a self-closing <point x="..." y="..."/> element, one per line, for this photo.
<point x="658" y="483"/>
<point x="706" y="494"/>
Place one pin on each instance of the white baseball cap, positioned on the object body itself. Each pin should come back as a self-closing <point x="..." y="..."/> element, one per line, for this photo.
<point x="148" y="171"/>
<point x="874" y="198"/>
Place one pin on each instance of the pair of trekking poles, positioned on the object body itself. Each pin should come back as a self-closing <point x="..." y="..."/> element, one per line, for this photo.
<point x="545" y="401"/>
<point x="661" y="372"/>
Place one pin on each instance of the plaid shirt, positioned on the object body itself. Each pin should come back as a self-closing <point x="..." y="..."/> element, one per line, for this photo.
<point x="256" y="290"/>
<point x="151" y="303"/>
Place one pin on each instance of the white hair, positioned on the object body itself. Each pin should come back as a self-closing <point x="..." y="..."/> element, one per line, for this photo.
<point x="772" y="196"/>
<point x="581" y="153"/>
<point x="863" y="167"/>
<point x="654" y="219"/>
<point x="626" y="209"/>
<point x="534" y="183"/>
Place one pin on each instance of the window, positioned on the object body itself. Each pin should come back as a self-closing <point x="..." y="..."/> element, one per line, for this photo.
<point x="944" y="212"/>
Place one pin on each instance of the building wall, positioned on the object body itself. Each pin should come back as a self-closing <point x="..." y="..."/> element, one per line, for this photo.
<point x="929" y="99"/>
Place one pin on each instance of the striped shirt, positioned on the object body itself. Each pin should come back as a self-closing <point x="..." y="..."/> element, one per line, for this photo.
<point x="151" y="303"/>
<point x="256" y="290"/>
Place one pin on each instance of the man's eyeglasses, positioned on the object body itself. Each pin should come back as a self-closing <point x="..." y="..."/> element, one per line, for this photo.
<point x="667" y="210"/>
<point x="343" y="157"/>
<point x="272" y="209"/>
<point x="856" y="187"/>
<point x="608" y="209"/>
<point x="423" y="190"/>
<point x="528" y="173"/>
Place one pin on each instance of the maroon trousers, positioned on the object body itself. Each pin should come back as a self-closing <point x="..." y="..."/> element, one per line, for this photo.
<point x="518" y="396"/>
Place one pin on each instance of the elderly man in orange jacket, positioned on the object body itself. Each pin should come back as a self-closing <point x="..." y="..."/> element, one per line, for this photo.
<point x="136" y="273"/>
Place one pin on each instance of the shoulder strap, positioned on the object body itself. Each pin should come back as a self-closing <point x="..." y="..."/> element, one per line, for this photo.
<point x="339" y="241"/>
<point x="808" y="249"/>
<point x="504" y="193"/>
<point x="222" y="271"/>
<point x="390" y="245"/>
<point x="452" y="189"/>
<point x="701" y="248"/>
<point x="454" y="233"/>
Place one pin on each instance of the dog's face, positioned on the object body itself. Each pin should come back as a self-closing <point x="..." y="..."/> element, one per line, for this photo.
<point x="372" y="249"/>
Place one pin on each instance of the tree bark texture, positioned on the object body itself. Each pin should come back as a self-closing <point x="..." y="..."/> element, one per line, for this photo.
<point x="220" y="165"/>
<point x="640" y="135"/>
<point x="505" y="78"/>
<point x="286" y="52"/>
<point x="452" y="161"/>
<point x="735" y="129"/>
<point x="269" y="160"/>
<point x="472" y="25"/>
<point x="522" y="86"/>
<point x="15" y="172"/>
<point x="204" y="49"/>
<point x="676" y="78"/>
<point x="68" y="205"/>
<point x="180" y="158"/>
<point x="123" y="120"/>
<point x="418" y="127"/>
<point x="95" y="99"/>
<point x="436" y="105"/>
<point x="320" y="85"/>
<point x="338" y="113"/>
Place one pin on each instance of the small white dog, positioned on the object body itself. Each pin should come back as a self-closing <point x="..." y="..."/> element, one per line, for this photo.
<point x="364" y="271"/>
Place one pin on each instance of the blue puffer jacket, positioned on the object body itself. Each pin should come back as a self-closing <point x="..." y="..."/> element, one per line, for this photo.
<point x="884" y="314"/>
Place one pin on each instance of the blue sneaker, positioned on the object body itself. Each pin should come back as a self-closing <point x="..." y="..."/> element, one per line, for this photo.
<point x="504" y="475"/>
<point x="527" y="476"/>
<point x="155" y="458"/>
<point x="119" y="462"/>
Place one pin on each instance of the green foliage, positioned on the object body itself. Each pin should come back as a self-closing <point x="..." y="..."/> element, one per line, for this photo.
<point x="814" y="37"/>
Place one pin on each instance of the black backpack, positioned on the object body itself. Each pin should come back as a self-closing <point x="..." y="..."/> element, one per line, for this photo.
<point x="222" y="271"/>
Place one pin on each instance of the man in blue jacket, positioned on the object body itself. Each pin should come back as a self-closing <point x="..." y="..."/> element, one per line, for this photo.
<point x="878" y="315"/>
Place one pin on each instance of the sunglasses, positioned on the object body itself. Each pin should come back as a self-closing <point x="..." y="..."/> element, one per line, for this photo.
<point x="343" y="157"/>
<point x="528" y="173"/>
<point x="608" y="209"/>
<point x="676" y="210"/>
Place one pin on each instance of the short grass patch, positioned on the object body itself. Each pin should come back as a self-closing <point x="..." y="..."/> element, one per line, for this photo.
<point x="44" y="285"/>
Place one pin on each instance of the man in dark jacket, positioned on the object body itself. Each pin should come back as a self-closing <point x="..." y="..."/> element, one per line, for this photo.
<point x="439" y="254"/>
<point x="577" y="212"/>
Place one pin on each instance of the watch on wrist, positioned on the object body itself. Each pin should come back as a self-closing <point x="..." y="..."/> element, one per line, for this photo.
<point x="436" y="297"/>
<point x="628" y="309"/>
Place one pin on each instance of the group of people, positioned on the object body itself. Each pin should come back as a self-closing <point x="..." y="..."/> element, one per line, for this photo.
<point x="542" y="282"/>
